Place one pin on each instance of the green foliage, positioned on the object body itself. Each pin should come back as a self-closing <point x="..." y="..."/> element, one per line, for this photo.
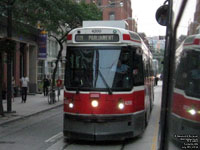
<point x="55" y="16"/>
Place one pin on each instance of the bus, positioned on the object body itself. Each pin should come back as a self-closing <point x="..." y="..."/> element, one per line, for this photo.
<point x="109" y="89"/>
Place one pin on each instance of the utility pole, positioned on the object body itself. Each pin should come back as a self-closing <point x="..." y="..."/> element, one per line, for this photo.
<point x="9" y="56"/>
<point x="1" y="81"/>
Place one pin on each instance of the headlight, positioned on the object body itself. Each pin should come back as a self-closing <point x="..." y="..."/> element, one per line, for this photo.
<point x="71" y="105"/>
<point x="192" y="112"/>
<point x="121" y="105"/>
<point x="94" y="103"/>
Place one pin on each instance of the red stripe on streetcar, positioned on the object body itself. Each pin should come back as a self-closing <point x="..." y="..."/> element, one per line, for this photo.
<point x="108" y="104"/>
<point x="181" y="106"/>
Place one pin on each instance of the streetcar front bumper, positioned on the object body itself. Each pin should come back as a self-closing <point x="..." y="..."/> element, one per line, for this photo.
<point x="103" y="127"/>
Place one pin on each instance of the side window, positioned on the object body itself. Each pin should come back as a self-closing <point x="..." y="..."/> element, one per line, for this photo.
<point x="138" y="76"/>
<point x="193" y="75"/>
<point x="181" y="74"/>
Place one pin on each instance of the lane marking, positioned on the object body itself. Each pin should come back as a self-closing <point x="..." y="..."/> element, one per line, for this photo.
<point x="155" y="136"/>
<point x="156" y="130"/>
<point x="53" y="138"/>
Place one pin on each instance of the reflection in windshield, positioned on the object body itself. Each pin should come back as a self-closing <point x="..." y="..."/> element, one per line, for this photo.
<point x="186" y="97"/>
<point x="99" y="68"/>
<point x="188" y="73"/>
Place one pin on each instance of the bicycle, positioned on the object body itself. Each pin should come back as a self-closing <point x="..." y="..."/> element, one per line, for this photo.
<point x="51" y="96"/>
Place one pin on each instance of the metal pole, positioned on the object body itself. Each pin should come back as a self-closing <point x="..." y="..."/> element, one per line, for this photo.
<point x="1" y="81"/>
<point x="9" y="55"/>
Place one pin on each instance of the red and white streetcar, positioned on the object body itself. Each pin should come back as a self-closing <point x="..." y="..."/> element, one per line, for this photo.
<point x="108" y="84"/>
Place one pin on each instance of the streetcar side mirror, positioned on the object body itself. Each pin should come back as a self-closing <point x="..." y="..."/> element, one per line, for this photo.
<point x="162" y="15"/>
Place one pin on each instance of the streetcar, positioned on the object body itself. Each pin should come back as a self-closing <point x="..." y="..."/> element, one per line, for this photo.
<point x="186" y="96"/>
<point x="108" y="84"/>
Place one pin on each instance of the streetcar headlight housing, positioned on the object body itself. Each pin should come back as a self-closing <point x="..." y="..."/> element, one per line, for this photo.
<point x="71" y="105"/>
<point x="192" y="112"/>
<point x="121" y="104"/>
<point x="69" y="102"/>
<point x="94" y="103"/>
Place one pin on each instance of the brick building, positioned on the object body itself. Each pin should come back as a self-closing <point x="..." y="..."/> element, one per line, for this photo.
<point x="116" y="10"/>
<point x="194" y="26"/>
<point x="24" y="59"/>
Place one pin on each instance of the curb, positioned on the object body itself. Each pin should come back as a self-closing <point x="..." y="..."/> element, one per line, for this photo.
<point x="30" y="115"/>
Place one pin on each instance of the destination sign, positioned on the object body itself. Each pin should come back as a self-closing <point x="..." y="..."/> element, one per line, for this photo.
<point x="97" y="38"/>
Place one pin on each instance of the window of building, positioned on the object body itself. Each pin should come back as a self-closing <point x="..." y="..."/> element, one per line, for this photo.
<point x="99" y="2"/>
<point x="52" y="48"/>
<point x="112" y="16"/>
<point x="112" y="3"/>
<point x="92" y="1"/>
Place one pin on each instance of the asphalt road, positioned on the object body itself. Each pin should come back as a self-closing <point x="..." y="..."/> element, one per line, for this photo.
<point x="44" y="132"/>
<point x="31" y="133"/>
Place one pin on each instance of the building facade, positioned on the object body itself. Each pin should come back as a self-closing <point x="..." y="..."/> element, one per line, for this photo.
<point x="46" y="65"/>
<point x="26" y="60"/>
<point x="194" y="26"/>
<point x="116" y="10"/>
<point x="24" y="57"/>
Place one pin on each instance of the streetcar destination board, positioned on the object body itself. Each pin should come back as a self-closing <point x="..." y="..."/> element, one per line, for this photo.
<point x="97" y="38"/>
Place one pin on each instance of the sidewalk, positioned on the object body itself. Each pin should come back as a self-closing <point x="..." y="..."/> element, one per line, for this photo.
<point x="34" y="105"/>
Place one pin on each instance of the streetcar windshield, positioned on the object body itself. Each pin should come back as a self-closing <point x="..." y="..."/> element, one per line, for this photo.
<point x="99" y="68"/>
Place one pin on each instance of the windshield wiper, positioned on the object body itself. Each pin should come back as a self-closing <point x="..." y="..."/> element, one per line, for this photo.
<point x="104" y="81"/>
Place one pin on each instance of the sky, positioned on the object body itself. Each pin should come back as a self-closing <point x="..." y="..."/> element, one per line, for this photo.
<point x="144" y="12"/>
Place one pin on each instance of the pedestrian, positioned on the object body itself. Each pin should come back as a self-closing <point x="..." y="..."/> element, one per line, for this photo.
<point x="58" y="83"/>
<point x="45" y="86"/>
<point x="24" y="86"/>
<point x="13" y="88"/>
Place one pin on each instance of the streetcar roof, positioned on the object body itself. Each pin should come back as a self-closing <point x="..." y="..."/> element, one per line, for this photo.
<point x="192" y="41"/>
<point x="126" y="37"/>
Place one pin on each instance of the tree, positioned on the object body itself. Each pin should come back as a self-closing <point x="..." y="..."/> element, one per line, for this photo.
<point x="7" y="45"/>
<point x="56" y="17"/>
